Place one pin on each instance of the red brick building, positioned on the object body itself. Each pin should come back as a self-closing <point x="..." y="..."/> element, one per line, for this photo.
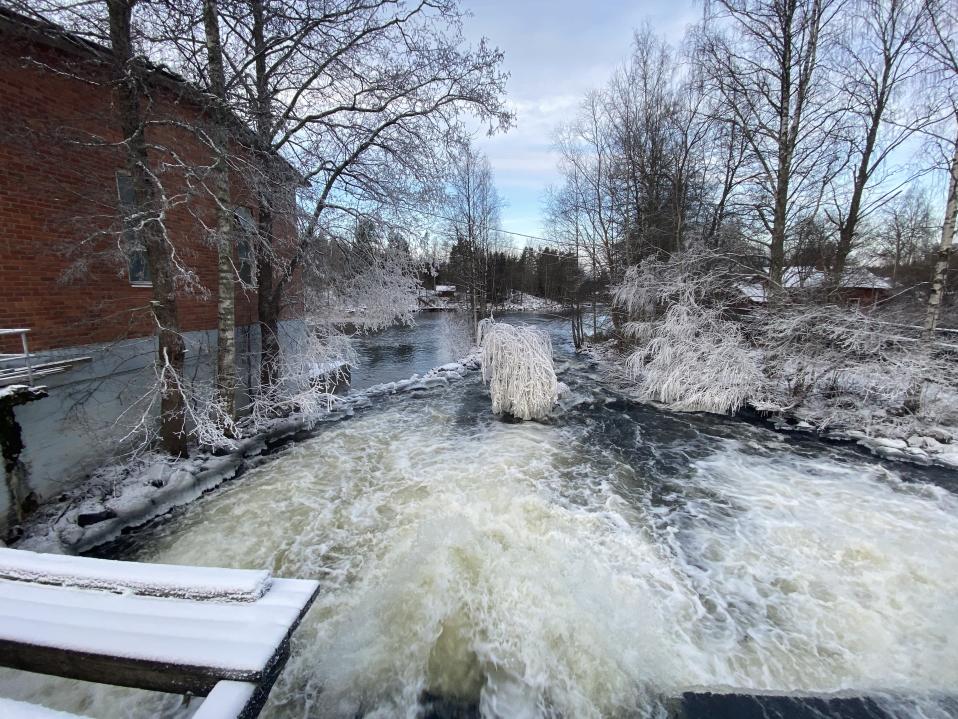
<point x="66" y="269"/>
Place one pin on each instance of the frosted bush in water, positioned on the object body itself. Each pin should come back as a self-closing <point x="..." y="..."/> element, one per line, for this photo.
<point x="517" y="366"/>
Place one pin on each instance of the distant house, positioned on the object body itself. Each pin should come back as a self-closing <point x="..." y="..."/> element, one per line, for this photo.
<point x="448" y="291"/>
<point x="858" y="285"/>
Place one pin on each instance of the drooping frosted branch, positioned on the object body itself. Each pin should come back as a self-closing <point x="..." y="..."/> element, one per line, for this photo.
<point x="517" y="366"/>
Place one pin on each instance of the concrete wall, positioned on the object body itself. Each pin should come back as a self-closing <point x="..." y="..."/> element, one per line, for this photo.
<point x="80" y="425"/>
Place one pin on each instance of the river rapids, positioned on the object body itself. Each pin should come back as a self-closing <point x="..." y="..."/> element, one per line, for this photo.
<point x="606" y="563"/>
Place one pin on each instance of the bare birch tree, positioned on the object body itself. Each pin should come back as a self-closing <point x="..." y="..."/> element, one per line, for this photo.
<point x="878" y="61"/>
<point x="765" y="58"/>
<point x="225" y="223"/>
<point x="942" y="48"/>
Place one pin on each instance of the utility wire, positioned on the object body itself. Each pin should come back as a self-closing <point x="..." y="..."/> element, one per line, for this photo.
<point x="461" y="223"/>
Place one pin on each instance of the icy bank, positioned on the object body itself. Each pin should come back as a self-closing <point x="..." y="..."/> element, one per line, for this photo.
<point x="119" y="497"/>
<point x="922" y="443"/>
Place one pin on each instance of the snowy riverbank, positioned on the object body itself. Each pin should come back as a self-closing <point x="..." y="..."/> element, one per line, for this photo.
<point x="522" y="302"/>
<point x="119" y="497"/>
<point x="922" y="443"/>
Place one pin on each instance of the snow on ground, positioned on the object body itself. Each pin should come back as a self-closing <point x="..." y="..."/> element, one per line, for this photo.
<point x="121" y="496"/>
<point x="522" y="302"/>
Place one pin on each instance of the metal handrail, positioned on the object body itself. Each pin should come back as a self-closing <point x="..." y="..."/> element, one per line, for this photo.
<point x="23" y="332"/>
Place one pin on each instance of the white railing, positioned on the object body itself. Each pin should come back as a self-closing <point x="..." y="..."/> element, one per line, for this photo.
<point x="24" y="357"/>
<point x="26" y="369"/>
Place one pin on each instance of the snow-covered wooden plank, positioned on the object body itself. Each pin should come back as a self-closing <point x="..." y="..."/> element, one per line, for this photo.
<point x="12" y="709"/>
<point x="228" y="699"/>
<point x="165" y="644"/>
<point x="157" y="580"/>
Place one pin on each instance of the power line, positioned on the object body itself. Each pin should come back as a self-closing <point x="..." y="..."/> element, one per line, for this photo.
<point x="494" y="229"/>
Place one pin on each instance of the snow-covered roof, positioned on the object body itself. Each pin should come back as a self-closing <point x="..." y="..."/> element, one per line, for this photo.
<point x="445" y="288"/>
<point x="864" y="278"/>
<point x="852" y="278"/>
<point x="793" y="278"/>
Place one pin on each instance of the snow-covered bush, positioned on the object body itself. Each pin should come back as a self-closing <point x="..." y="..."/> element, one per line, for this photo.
<point x="688" y="354"/>
<point x="692" y="278"/>
<point x="517" y="366"/>
<point x="847" y="368"/>
<point x="699" y="345"/>
<point x="455" y="334"/>
<point x="694" y="360"/>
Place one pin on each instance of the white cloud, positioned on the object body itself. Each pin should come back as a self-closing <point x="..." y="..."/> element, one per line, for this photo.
<point x="556" y="51"/>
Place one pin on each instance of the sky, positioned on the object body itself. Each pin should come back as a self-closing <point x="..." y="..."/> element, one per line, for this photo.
<point x="556" y="51"/>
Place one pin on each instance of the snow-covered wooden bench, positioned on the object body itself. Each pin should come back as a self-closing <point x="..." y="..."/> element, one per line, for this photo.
<point x="189" y="630"/>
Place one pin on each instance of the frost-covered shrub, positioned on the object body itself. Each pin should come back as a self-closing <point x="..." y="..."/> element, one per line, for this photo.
<point x="693" y="278"/>
<point x="688" y="354"/>
<point x="517" y="366"/>
<point x="455" y="334"/>
<point x="846" y="367"/>
<point x="694" y="360"/>
<point x="699" y="346"/>
<point x="312" y="365"/>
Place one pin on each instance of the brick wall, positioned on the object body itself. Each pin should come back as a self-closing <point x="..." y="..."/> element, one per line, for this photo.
<point x="62" y="272"/>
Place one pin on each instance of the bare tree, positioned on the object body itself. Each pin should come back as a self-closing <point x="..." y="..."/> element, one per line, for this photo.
<point x="878" y="62"/>
<point x="225" y="224"/>
<point x="473" y="205"/>
<point x="128" y="75"/>
<point x="942" y="48"/>
<point x="906" y="232"/>
<point x="765" y="59"/>
<point x="358" y="96"/>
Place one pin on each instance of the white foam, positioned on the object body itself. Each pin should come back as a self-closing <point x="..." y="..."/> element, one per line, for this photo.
<point x="502" y="564"/>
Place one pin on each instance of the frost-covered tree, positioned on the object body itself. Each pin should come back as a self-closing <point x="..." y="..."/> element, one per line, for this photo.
<point x="688" y="352"/>
<point x="942" y="49"/>
<point x="517" y="366"/>
<point x="472" y="207"/>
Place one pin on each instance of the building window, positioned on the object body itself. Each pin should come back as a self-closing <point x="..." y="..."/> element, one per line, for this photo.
<point x="137" y="266"/>
<point x="244" y="244"/>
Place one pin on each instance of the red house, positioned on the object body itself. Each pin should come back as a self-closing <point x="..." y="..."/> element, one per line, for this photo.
<point x="71" y="270"/>
<point x="64" y="272"/>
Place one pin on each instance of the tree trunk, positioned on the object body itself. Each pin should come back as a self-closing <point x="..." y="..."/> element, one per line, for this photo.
<point x="268" y="301"/>
<point x="225" y="227"/>
<point x="269" y="284"/>
<point x="944" y="251"/>
<point x="171" y="348"/>
<point x="846" y="233"/>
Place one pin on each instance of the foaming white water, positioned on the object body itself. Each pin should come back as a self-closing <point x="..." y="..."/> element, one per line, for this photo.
<point x="819" y="576"/>
<point x="502" y="565"/>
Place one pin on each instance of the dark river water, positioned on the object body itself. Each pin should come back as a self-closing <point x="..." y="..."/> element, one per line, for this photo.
<point x="616" y="560"/>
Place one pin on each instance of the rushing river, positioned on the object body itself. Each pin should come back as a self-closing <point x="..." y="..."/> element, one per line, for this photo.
<point x="601" y="564"/>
